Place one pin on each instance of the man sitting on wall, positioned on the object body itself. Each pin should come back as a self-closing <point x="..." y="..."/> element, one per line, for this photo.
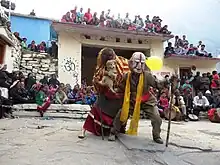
<point x="169" y="50"/>
<point x="200" y="103"/>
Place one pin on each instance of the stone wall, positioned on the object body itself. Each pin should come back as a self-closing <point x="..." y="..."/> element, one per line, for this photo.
<point x="16" y="53"/>
<point x="40" y="64"/>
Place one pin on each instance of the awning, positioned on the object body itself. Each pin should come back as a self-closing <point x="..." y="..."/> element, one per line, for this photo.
<point x="4" y="35"/>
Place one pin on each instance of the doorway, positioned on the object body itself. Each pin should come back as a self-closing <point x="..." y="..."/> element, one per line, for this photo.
<point x="89" y="57"/>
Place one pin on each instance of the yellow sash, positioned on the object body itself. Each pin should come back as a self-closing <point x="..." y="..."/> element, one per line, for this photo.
<point x="126" y="105"/>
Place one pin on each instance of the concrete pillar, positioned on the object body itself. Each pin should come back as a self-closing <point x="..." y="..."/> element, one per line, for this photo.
<point x="69" y="59"/>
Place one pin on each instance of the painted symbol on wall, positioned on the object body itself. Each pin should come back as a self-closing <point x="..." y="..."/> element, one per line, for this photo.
<point x="70" y="65"/>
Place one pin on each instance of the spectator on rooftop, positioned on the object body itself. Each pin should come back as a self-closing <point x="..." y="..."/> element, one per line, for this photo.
<point x="53" y="50"/>
<point x="32" y="13"/>
<point x="178" y="50"/>
<point x="80" y="16"/>
<point x="169" y="50"/>
<point x="17" y="35"/>
<point x="42" y="47"/>
<point x="178" y="42"/>
<point x="191" y="50"/>
<point x="33" y="46"/>
<point x="24" y="43"/>
<point x="202" y="52"/>
<point x="184" y="40"/>
<point x="88" y="17"/>
<point x="102" y="19"/>
<point x="95" y="20"/>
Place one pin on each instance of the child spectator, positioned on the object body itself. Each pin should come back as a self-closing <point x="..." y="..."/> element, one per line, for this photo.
<point x="24" y="44"/>
<point x="42" y="47"/>
<point x="163" y="102"/>
<point x="42" y="100"/>
<point x="33" y="46"/>
<point x="60" y="96"/>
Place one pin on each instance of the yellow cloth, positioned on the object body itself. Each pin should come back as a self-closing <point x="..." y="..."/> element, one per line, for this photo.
<point x="126" y="105"/>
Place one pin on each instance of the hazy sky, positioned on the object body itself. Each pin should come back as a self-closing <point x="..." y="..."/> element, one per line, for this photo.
<point x="198" y="19"/>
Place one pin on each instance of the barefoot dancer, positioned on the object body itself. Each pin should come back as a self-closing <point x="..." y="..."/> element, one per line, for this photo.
<point x="108" y="103"/>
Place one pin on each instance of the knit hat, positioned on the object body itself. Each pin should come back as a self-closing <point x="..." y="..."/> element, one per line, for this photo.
<point x="208" y="92"/>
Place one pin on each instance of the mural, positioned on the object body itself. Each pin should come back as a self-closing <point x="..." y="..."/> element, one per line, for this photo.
<point x="70" y="65"/>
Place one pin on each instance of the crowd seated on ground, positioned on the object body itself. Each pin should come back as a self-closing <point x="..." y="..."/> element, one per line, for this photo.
<point x="18" y="89"/>
<point x="183" y="47"/>
<point x="107" y="19"/>
<point x="41" y="48"/>
<point x="196" y="93"/>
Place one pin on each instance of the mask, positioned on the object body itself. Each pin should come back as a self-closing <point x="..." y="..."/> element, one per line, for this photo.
<point x="137" y="62"/>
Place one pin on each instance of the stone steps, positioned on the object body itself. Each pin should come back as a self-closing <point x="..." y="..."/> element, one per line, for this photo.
<point x="70" y="111"/>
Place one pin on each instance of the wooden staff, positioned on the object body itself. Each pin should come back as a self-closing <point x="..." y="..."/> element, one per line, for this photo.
<point x="173" y="86"/>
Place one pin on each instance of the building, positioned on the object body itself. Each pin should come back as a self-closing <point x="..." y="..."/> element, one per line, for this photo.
<point x="79" y="46"/>
<point x="32" y="27"/>
<point x="182" y="64"/>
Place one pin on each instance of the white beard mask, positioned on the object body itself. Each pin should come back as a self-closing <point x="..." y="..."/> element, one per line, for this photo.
<point x="138" y="62"/>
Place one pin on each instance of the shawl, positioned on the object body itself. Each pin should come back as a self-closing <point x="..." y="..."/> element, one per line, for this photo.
<point x="121" y="65"/>
<point x="126" y="105"/>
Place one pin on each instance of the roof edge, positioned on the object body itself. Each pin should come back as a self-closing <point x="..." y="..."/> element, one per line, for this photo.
<point x="81" y="26"/>
<point x="32" y="17"/>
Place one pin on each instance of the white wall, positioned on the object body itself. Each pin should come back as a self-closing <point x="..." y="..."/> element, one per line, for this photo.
<point x="8" y="59"/>
<point x="69" y="50"/>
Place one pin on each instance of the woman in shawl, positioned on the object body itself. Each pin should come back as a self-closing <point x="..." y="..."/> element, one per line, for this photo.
<point x="108" y="103"/>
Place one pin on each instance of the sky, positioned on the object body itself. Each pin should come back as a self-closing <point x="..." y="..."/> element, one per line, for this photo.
<point x="197" y="19"/>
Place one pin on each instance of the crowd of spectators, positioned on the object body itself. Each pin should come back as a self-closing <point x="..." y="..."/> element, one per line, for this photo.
<point x="41" y="48"/>
<point x="107" y="19"/>
<point x="195" y="93"/>
<point x="18" y="89"/>
<point x="182" y="47"/>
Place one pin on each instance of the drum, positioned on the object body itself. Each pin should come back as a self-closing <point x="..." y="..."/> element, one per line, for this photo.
<point x="192" y="116"/>
<point x="175" y="113"/>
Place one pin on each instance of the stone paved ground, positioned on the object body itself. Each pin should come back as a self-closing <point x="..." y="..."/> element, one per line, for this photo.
<point x="55" y="142"/>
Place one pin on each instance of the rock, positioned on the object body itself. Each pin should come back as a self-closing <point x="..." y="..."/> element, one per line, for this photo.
<point x="46" y="61"/>
<point x="44" y="69"/>
<point x="27" y="59"/>
<point x="35" y="70"/>
<point x="45" y="66"/>
<point x="27" y="55"/>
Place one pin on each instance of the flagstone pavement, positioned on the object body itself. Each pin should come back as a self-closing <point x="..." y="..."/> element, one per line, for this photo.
<point x="33" y="141"/>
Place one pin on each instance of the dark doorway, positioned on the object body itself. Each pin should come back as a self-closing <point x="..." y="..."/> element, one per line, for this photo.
<point x="89" y="57"/>
<point x="184" y="70"/>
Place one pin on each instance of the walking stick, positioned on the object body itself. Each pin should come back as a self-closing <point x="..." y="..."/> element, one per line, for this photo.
<point x="169" y="123"/>
<point x="101" y="120"/>
<point x="173" y="86"/>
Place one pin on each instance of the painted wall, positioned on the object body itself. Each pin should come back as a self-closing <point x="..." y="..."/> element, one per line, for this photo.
<point x="70" y="49"/>
<point x="31" y="28"/>
<point x="171" y="64"/>
<point x="69" y="59"/>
